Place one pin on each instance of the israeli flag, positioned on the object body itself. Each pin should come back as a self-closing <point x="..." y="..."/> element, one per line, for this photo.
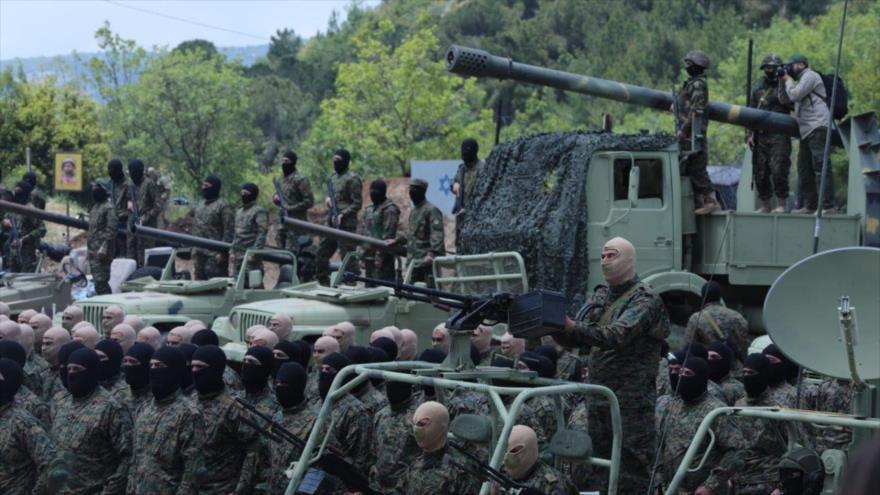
<point x="439" y="175"/>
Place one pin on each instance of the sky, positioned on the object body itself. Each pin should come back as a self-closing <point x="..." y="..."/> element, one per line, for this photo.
<point x="32" y="28"/>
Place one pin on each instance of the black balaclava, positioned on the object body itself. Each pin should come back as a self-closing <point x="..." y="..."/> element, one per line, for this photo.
<point x="378" y="191"/>
<point x="99" y="194"/>
<point x="538" y="363"/>
<point x="255" y="377"/>
<point x="549" y="352"/>
<point x="109" y="369"/>
<point x="398" y="392"/>
<point x="14" y="351"/>
<point x="776" y="372"/>
<point x="305" y="353"/>
<point x="417" y="194"/>
<point x="337" y="361"/>
<point x="252" y="192"/>
<point x="86" y="381"/>
<point x="22" y="192"/>
<point x="30" y="178"/>
<point x="11" y="382"/>
<point x="694" y="70"/>
<point x="136" y="171"/>
<point x="209" y="380"/>
<point x="469" y="150"/>
<point x="770" y="75"/>
<point x="377" y="355"/>
<point x="165" y="381"/>
<point x="138" y="377"/>
<point x="674" y="358"/>
<point x="358" y="355"/>
<point x="291" y="350"/>
<point x="290" y="385"/>
<point x="696" y="349"/>
<point x="691" y="388"/>
<point x="186" y="377"/>
<point x="288" y="166"/>
<point x="63" y="355"/>
<point x="114" y="170"/>
<point x="719" y="368"/>
<point x="340" y="165"/>
<point x="386" y="345"/>
<point x="204" y="337"/>
<point x="756" y="384"/>
<point x="211" y="192"/>
<point x="711" y="292"/>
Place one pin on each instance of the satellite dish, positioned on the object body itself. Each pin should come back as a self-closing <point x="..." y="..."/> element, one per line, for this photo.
<point x="801" y="316"/>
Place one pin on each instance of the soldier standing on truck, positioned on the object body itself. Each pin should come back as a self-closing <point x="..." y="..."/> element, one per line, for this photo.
<point x="38" y="198"/>
<point x="22" y="233"/>
<point x="145" y="203"/>
<point x="424" y="237"/>
<point x="214" y="219"/>
<point x="119" y="200"/>
<point x="691" y="132"/>
<point x="101" y="243"/>
<point x="463" y="184"/>
<point x="251" y="227"/>
<point x="771" y="152"/>
<point x="296" y="197"/>
<point x="380" y="222"/>
<point x="346" y="202"/>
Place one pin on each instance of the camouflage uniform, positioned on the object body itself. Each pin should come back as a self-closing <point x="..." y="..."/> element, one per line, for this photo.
<point x="680" y="421"/>
<point x="101" y="244"/>
<point x="119" y="389"/>
<point x="424" y="236"/>
<point x="371" y="398"/>
<point x="297" y="194"/>
<point x="569" y="367"/>
<point x="33" y="404"/>
<point x="134" y="400"/>
<point x="251" y="228"/>
<point x="624" y="335"/>
<point x="264" y="401"/>
<point x="783" y="395"/>
<point x="148" y="196"/>
<point x="51" y="384"/>
<point x="167" y="435"/>
<point x="33" y="370"/>
<point x="767" y="441"/>
<point x="214" y="219"/>
<point x="830" y="395"/>
<point x="433" y="472"/>
<point x="312" y="394"/>
<point x="467" y="402"/>
<point x="549" y="481"/>
<point x="732" y="390"/>
<point x="380" y="222"/>
<point x="297" y="420"/>
<point x="392" y="429"/>
<point x="28" y="452"/>
<point x="232" y="381"/>
<point x="353" y="430"/>
<point x="544" y="410"/>
<point x="465" y="176"/>
<point x="225" y="444"/>
<point x="715" y="322"/>
<point x="30" y="230"/>
<point x="119" y="199"/>
<point x="694" y="98"/>
<point x="94" y="436"/>
<point x="771" y="154"/>
<point x="348" y="202"/>
<point x="38" y="198"/>
<point x="578" y="472"/>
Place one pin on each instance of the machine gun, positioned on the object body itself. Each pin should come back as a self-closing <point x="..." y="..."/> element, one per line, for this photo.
<point x="484" y="472"/>
<point x="12" y="244"/>
<point x="333" y="461"/>
<point x="282" y="203"/>
<point x="334" y="210"/>
<point x="135" y="217"/>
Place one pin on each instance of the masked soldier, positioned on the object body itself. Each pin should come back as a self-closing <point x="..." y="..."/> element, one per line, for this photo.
<point x="145" y="202"/>
<point x="38" y="198"/>
<point x="352" y="426"/>
<point x="693" y="123"/>
<point x="29" y="400"/>
<point x="771" y="153"/>
<point x="391" y="429"/>
<point x="801" y="472"/>
<point x="22" y="233"/>
<point x="522" y="463"/>
<point x="324" y="346"/>
<point x="463" y="183"/>
<point x="256" y="369"/>
<point x="380" y="222"/>
<point x="101" y="241"/>
<point x="214" y="219"/>
<point x="424" y="238"/>
<point x="251" y="227"/>
<point x="119" y="199"/>
<point x="347" y="193"/>
<point x="296" y="192"/>
<point x="715" y="322"/>
<point x="136" y="370"/>
<point x="720" y="359"/>
<point x="53" y="339"/>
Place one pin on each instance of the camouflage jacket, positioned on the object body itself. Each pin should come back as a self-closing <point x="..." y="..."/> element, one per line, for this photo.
<point x="134" y="400"/>
<point x="732" y="390"/>
<point x="829" y="395"/>
<point x="38" y="198"/>
<point x="693" y="99"/>
<point x="633" y="329"/>
<point x="545" y="413"/>
<point x="467" y="402"/>
<point x="765" y="97"/>
<point x="251" y="228"/>
<point x="34" y="367"/>
<point x="232" y="381"/>
<point x="579" y="472"/>
<point x="312" y="394"/>
<point x="224" y="445"/>
<point x="51" y="383"/>
<point x="392" y="430"/>
<point x="465" y="175"/>
<point x="101" y="241"/>
<point x="119" y="200"/>
<point x="680" y="421"/>
<point x="264" y="401"/>
<point x="214" y="219"/>
<point x="424" y="234"/>
<point x="549" y="481"/>
<point x="569" y="367"/>
<point x="783" y="395"/>
<point x="434" y="472"/>
<point x="715" y="322"/>
<point x="297" y="420"/>
<point x="353" y="430"/>
<point x="33" y="404"/>
<point x="93" y="435"/>
<point x="149" y="201"/>
<point x="371" y="398"/>
<point x="380" y="221"/>
<point x="767" y="442"/>
<point x="297" y="194"/>
<point x="28" y="452"/>
<point x="167" y="436"/>
<point x="30" y="229"/>
<point x="349" y="197"/>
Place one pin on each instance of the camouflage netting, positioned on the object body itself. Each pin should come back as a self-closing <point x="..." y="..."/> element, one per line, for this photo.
<point x="532" y="198"/>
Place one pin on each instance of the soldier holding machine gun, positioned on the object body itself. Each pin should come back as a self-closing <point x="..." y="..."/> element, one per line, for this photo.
<point x="293" y="195"/>
<point x="343" y="204"/>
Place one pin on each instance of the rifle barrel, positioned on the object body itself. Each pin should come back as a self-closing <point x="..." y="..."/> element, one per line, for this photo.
<point x="401" y="287"/>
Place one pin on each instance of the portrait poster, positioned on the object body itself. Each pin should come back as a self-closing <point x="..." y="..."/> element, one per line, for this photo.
<point x="68" y="171"/>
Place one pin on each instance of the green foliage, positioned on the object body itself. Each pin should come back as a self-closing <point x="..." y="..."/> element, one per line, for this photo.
<point x="207" y="48"/>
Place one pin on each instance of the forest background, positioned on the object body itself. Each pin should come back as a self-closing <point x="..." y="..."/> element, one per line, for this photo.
<point x="376" y="84"/>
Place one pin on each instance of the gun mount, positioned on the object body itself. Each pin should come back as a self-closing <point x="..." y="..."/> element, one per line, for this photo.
<point x="467" y="61"/>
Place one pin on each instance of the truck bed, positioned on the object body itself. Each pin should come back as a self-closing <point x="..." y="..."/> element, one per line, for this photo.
<point x="758" y="247"/>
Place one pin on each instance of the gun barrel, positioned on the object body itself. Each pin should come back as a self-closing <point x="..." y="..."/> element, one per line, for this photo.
<point x="180" y="239"/>
<point x="401" y="287"/>
<point x="47" y="216"/>
<point x="341" y="235"/>
<point x="467" y="61"/>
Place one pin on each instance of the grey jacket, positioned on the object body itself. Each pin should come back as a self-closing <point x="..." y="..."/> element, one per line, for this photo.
<point x="807" y="96"/>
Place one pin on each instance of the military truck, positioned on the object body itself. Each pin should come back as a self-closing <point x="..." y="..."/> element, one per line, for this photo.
<point x="44" y="291"/>
<point x="642" y="197"/>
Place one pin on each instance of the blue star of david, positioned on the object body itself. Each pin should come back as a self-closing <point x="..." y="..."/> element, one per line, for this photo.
<point x="446" y="184"/>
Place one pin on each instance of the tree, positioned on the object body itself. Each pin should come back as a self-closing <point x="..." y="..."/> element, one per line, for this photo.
<point x="282" y="112"/>
<point x="207" y="49"/>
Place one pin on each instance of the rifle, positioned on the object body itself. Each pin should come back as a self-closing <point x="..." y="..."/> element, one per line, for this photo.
<point x="332" y="461"/>
<point x="487" y="472"/>
<point x="334" y="210"/>
<point x="135" y="217"/>
<point x="458" y="207"/>
<point x="10" y="244"/>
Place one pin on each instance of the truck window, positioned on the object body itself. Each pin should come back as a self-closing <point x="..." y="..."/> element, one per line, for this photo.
<point x="650" y="179"/>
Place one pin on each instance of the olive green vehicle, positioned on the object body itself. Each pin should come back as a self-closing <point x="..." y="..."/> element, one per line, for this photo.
<point x="169" y="301"/>
<point x="47" y="292"/>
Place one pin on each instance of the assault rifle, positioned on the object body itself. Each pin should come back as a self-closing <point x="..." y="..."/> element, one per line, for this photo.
<point x="282" y="203"/>
<point x="334" y="209"/>
<point x="458" y="207"/>
<point x="14" y="251"/>
<point x="332" y="461"/>
<point x="135" y="217"/>
<point x="485" y="472"/>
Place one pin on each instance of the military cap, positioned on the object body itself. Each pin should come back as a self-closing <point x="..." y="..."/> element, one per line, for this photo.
<point x="103" y="184"/>
<point x="771" y="60"/>
<point x="698" y="57"/>
<point x="798" y="58"/>
<point x="420" y="183"/>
